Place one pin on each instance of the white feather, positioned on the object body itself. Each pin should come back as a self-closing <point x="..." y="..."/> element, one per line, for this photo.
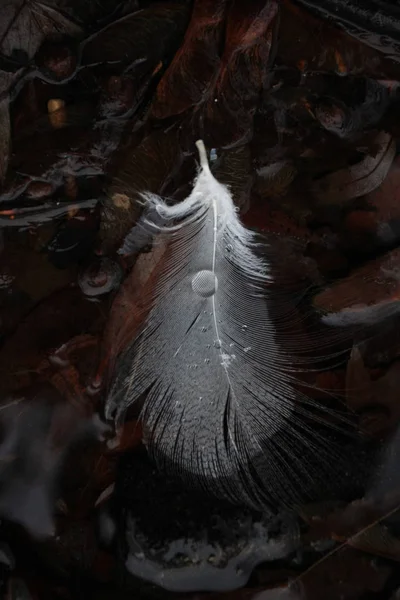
<point x="220" y="406"/>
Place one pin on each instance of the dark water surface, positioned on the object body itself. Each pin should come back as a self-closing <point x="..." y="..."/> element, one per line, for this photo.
<point x="298" y="105"/>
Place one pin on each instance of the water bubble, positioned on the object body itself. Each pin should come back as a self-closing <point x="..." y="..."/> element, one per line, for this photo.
<point x="205" y="283"/>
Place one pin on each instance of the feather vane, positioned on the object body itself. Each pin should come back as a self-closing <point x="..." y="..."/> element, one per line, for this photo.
<point x="220" y="409"/>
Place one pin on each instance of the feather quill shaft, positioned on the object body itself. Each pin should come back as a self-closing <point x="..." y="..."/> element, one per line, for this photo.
<point x="220" y="406"/>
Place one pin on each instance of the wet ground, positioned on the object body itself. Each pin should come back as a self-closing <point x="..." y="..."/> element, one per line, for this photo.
<point x="298" y="102"/>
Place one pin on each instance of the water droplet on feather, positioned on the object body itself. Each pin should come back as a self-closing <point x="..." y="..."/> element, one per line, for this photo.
<point x="205" y="283"/>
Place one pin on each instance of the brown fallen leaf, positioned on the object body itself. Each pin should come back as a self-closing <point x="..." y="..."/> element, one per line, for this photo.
<point x="359" y="179"/>
<point x="24" y="24"/>
<point x="368" y="295"/>
<point x="53" y="322"/>
<point x="195" y="64"/>
<point x="274" y="179"/>
<point x="357" y="525"/>
<point x="363" y="392"/>
<point x="359" y="383"/>
<point x="328" y="49"/>
<point x="347" y="119"/>
<point x="352" y="524"/>
<point x="347" y="574"/>
<point x="361" y="232"/>
<point x="227" y="116"/>
<point x="378" y="541"/>
<point x="371" y="24"/>
<point x="142" y="37"/>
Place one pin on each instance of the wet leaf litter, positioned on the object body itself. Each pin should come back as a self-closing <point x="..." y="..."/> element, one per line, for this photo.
<point x="286" y="485"/>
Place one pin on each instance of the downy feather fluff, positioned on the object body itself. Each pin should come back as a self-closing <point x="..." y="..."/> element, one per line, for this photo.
<point x="217" y="394"/>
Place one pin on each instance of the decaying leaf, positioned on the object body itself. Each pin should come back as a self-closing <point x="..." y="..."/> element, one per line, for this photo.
<point x="227" y="117"/>
<point x="368" y="295"/>
<point x="364" y="392"/>
<point x="360" y="178"/>
<point x="348" y="574"/>
<point x="358" y="382"/>
<point x="196" y="63"/>
<point x="141" y="38"/>
<point x="328" y="49"/>
<point x="365" y="111"/>
<point x="378" y="541"/>
<point x="357" y="524"/>
<point x="24" y="24"/>
<point x="376" y="24"/>
<point x="51" y="324"/>
<point x="274" y="179"/>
